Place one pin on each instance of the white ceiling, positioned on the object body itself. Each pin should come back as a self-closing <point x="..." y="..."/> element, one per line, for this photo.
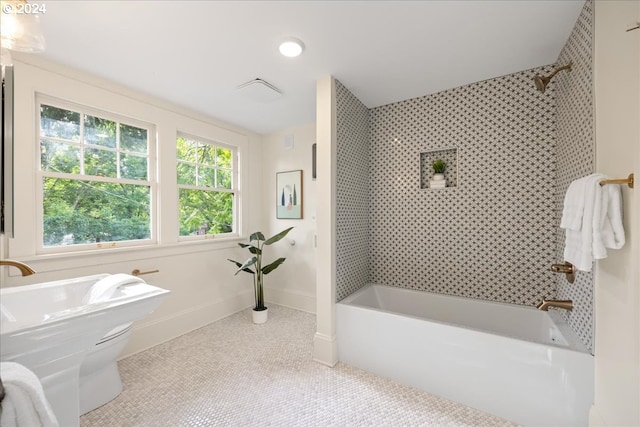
<point x="195" y="53"/>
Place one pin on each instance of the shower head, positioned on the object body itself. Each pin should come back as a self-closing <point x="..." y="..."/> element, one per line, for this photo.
<point x="542" y="82"/>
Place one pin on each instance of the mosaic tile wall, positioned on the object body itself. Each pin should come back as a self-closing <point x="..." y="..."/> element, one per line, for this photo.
<point x="575" y="154"/>
<point x="352" y="189"/>
<point x="493" y="235"/>
<point x="449" y="157"/>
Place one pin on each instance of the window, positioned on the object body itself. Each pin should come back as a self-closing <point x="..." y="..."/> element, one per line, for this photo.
<point x="97" y="177"/>
<point x="207" y="187"/>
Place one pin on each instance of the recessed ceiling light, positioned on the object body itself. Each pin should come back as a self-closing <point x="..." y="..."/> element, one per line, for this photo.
<point x="291" y="47"/>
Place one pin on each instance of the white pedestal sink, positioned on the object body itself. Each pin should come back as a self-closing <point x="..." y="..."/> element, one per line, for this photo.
<point x="50" y="327"/>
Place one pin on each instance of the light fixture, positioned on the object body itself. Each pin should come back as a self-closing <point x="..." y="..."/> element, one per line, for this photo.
<point x="291" y="47"/>
<point x="20" y="26"/>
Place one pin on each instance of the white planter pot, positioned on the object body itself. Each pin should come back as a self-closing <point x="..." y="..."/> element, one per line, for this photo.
<point x="438" y="177"/>
<point x="261" y="316"/>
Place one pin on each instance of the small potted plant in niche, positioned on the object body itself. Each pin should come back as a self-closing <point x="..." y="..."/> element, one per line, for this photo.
<point x="438" y="181"/>
<point x="254" y="266"/>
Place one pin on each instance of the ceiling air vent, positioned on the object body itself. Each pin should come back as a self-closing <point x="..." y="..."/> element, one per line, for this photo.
<point x="260" y="90"/>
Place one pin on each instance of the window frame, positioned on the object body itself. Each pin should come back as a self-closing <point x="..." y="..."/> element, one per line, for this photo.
<point x="234" y="190"/>
<point x="151" y="182"/>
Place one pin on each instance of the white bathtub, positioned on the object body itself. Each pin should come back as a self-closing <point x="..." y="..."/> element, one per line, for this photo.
<point x="515" y="362"/>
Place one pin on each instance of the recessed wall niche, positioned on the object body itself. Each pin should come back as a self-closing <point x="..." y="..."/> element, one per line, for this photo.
<point x="447" y="155"/>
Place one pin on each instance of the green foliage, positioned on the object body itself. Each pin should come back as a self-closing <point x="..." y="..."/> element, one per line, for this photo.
<point x="78" y="209"/>
<point x="59" y="123"/>
<point x="206" y="169"/>
<point x="133" y="139"/>
<point x="81" y="212"/>
<point x="254" y="266"/>
<point x="275" y="264"/>
<point x="439" y="166"/>
<point x="205" y="211"/>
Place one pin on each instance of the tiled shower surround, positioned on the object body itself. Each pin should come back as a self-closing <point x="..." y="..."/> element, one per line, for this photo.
<point x="492" y="236"/>
<point x="495" y="234"/>
<point x="352" y="193"/>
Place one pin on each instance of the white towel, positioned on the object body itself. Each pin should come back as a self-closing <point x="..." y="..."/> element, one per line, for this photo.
<point x="599" y="226"/>
<point x="103" y="289"/>
<point x="24" y="403"/>
<point x="574" y="205"/>
<point x="578" y="249"/>
<point x="608" y="230"/>
<point x="599" y="214"/>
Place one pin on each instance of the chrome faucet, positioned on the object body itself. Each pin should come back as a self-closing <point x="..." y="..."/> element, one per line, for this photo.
<point x="24" y="268"/>
<point x="565" y="304"/>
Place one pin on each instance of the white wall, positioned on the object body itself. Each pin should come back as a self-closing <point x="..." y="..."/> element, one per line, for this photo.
<point x="325" y="349"/>
<point x="617" y="293"/>
<point x="293" y="284"/>
<point x="201" y="280"/>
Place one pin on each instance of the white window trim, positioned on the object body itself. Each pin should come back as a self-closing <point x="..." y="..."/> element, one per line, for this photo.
<point x="74" y="87"/>
<point x="235" y="189"/>
<point x="152" y="180"/>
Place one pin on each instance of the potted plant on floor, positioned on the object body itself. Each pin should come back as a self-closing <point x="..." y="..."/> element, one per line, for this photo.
<point x="253" y="265"/>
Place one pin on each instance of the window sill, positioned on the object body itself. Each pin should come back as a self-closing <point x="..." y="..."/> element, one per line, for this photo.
<point x="43" y="263"/>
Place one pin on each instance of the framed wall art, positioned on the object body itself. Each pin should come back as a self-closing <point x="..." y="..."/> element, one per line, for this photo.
<point x="289" y="195"/>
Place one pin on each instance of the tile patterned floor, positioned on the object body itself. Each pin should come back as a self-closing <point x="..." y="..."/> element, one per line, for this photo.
<point x="234" y="373"/>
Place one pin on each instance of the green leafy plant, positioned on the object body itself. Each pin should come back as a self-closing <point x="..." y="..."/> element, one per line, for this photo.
<point x="254" y="266"/>
<point x="439" y="166"/>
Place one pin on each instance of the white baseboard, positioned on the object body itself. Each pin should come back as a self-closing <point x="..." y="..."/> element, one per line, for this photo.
<point x="148" y="334"/>
<point x="292" y="299"/>
<point x="325" y="349"/>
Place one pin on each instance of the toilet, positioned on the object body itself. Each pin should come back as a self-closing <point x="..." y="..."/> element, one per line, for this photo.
<point x="99" y="376"/>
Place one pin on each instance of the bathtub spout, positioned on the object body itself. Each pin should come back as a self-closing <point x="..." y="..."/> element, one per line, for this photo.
<point x="565" y="304"/>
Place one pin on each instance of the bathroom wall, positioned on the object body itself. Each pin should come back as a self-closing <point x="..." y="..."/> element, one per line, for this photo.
<point x="353" y="248"/>
<point x="203" y="287"/>
<point x="293" y="284"/>
<point x="575" y="154"/>
<point x="617" y="277"/>
<point x="492" y="235"/>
